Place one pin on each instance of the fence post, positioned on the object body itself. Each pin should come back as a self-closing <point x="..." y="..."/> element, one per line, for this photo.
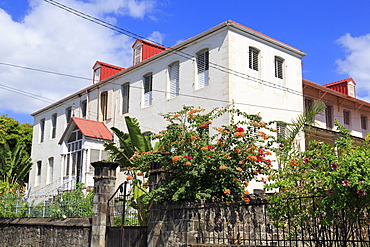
<point x="104" y="183"/>
<point x="154" y="224"/>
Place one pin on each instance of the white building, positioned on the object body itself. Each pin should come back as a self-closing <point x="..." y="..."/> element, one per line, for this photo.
<point x="342" y="105"/>
<point x="227" y="63"/>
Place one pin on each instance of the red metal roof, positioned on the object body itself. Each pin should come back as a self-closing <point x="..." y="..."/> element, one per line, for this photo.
<point x="339" y="82"/>
<point x="93" y="129"/>
<point x="107" y="70"/>
<point x="89" y="128"/>
<point x="334" y="92"/>
<point x="340" y="86"/>
<point x="148" y="49"/>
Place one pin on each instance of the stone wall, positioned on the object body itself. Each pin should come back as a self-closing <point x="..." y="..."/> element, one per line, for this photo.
<point x="38" y="232"/>
<point x="209" y="223"/>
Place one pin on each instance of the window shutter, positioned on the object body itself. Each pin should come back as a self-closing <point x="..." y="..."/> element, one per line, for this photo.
<point x="125" y="98"/>
<point x="281" y="131"/>
<point x="148" y="90"/>
<point x="279" y="68"/>
<point x="203" y="68"/>
<point x="137" y="54"/>
<point x="253" y="59"/>
<point x="174" y="79"/>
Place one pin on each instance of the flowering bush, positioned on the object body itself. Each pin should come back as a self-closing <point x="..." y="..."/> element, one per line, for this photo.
<point x="201" y="161"/>
<point x="334" y="181"/>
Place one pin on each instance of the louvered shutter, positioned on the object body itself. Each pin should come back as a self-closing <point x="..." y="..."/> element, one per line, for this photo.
<point x="279" y="68"/>
<point x="125" y="98"/>
<point x="174" y="79"/>
<point x="203" y="69"/>
<point x="253" y="59"/>
<point x="148" y="90"/>
<point x="281" y="134"/>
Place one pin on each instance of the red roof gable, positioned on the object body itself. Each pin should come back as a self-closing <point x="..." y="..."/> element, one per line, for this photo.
<point x="342" y="86"/>
<point x="107" y="70"/>
<point x="89" y="128"/>
<point x="148" y="49"/>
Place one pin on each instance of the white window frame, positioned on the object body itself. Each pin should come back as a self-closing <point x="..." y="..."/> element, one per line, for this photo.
<point x="104" y="105"/>
<point x="68" y="114"/>
<point x="42" y="130"/>
<point x="253" y="61"/>
<point x="202" y="68"/>
<point x="174" y="79"/>
<point x="138" y="51"/>
<point x="347" y="119"/>
<point x="97" y="74"/>
<point x="148" y="90"/>
<point x="50" y="173"/>
<point x="329" y="117"/>
<point x="125" y="94"/>
<point x="38" y="173"/>
<point x="54" y="119"/>
<point x="83" y="105"/>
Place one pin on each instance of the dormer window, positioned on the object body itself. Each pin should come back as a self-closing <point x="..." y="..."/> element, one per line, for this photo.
<point x="137" y="53"/>
<point x="97" y="75"/>
<point x="351" y="89"/>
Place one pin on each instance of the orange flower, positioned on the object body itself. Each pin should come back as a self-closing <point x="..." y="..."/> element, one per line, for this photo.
<point x="204" y="148"/>
<point x="237" y="150"/>
<point x="175" y="158"/>
<point x="239" y="134"/>
<point x="227" y="191"/>
<point x="247" y="200"/>
<point x="293" y="162"/>
<point x="176" y="115"/>
<point x="252" y="158"/>
<point x="298" y="124"/>
<point x="246" y="183"/>
<point x="263" y="135"/>
<point x="241" y="162"/>
<point x="255" y="172"/>
<point x="139" y="173"/>
<point x="226" y="132"/>
<point x="246" y="192"/>
<point x="267" y="152"/>
<point x="188" y="163"/>
<point x="129" y="177"/>
<point x="158" y="135"/>
<point x="203" y="125"/>
<point x="235" y="180"/>
<point x="239" y="169"/>
<point x="251" y="148"/>
<point x="193" y="138"/>
<point x="223" y="167"/>
<point x="209" y="122"/>
<point x="192" y="111"/>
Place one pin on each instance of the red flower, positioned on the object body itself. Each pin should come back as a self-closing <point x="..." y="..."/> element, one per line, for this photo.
<point x="188" y="157"/>
<point x="239" y="129"/>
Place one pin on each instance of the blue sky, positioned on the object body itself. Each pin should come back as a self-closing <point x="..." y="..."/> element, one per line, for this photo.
<point x="35" y="34"/>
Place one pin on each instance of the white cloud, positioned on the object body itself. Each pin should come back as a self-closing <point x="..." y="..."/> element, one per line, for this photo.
<point x="356" y="62"/>
<point x="52" y="39"/>
<point x="157" y="37"/>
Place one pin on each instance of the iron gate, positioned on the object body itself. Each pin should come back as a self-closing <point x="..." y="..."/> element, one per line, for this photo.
<point x="123" y="228"/>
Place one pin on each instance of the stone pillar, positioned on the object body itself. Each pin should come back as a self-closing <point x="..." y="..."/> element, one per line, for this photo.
<point x="104" y="185"/>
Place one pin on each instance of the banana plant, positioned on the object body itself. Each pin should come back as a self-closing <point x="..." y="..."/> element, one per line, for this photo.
<point x="122" y="152"/>
<point x="128" y="142"/>
<point x="15" y="164"/>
